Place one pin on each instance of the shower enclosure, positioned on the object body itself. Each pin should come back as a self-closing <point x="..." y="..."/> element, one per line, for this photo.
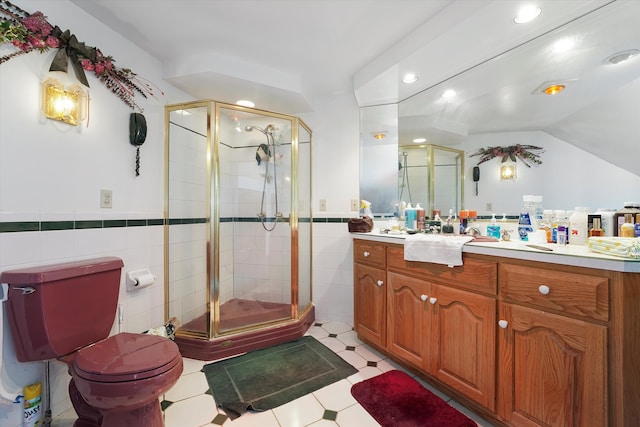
<point x="237" y="228"/>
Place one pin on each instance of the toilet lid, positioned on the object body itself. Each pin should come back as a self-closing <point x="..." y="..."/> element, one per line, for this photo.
<point x="126" y="357"/>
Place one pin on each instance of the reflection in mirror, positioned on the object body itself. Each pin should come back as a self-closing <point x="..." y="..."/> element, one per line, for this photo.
<point x="588" y="131"/>
<point x="432" y="176"/>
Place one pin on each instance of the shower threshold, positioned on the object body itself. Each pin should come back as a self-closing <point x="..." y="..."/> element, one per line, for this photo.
<point x="244" y="313"/>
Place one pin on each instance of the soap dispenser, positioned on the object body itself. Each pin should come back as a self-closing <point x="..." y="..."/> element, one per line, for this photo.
<point x="493" y="229"/>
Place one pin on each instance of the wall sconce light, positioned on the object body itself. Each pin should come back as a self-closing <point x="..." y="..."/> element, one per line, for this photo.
<point x="507" y="170"/>
<point x="68" y="104"/>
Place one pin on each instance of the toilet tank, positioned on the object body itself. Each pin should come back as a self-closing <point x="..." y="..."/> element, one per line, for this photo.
<point x="56" y="309"/>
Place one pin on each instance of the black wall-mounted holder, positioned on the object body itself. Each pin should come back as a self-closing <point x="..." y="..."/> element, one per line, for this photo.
<point x="476" y="176"/>
<point x="137" y="135"/>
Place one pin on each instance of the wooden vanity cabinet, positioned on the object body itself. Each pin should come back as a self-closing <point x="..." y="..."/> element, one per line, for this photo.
<point x="552" y="347"/>
<point x="524" y="343"/>
<point x="370" y="292"/>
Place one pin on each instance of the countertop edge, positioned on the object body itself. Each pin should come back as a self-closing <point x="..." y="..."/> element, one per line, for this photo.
<point x="587" y="259"/>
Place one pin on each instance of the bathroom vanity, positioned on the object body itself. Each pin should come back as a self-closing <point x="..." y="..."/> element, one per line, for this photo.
<point x="522" y="336"/>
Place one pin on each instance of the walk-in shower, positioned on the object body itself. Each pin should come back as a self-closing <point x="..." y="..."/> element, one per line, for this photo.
<point x="238" y="228"/>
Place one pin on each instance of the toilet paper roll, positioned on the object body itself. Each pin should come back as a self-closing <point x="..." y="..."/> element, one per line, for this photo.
<point x="144" y="280"/>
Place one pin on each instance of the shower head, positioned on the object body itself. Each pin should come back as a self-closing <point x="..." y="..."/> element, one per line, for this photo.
<point x="268" y="130"/>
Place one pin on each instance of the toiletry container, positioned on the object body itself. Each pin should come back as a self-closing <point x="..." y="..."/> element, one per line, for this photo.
<point x="596" y="230"/>
<point x="578" y="226"/>
<point x="420" y="217"/>
<point x="493" y="229"/>
<point x="607" y="220"/>
<point x="410" y="214"/>
<point x="526" y="221"/>
<point x="546" y="224"/>
<point x="628" y="228"/>
<point x="632" y="208"/>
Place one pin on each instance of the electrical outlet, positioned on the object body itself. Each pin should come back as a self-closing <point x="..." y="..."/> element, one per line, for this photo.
<point x="106" y="199"/>
<point x="489" y="206"/>
<point x="323" y="204"/>
<point x="354" y="205"/>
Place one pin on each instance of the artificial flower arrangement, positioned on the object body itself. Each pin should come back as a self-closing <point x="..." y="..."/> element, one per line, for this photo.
<point x="523" y="152"/>
<point x="31" y="31"/>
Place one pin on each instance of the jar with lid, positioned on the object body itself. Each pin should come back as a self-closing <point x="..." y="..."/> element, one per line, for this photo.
<point x="627" y="229"/>
<point x="632" y="208"/>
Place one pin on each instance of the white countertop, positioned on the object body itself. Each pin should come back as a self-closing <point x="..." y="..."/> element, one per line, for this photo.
<point x="574" y="255"/>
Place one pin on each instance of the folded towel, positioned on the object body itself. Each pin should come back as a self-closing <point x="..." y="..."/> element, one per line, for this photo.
<point x="436" y="248"/>
<point x="624" y="247"/>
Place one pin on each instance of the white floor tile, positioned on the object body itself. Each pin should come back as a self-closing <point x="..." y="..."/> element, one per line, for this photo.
<point x="300" y="412"/>
<point x="336" y="396"/>
<point x="254" y="419"/>
<point x="188" y="385"/>
<point x="356" y="415"/>
<point x="193" y="412"/>
<point x="336" y="327"/>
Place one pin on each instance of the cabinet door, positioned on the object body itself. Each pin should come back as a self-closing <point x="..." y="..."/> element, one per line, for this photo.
<point x="370" y="303"/>
<point x="463" y="342"/>
<point x="408" y="330"/>
<point x="552" y="369"/>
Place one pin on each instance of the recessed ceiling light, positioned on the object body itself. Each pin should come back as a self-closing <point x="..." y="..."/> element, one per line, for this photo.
<point x="449" y="93"/>
<point x="619" y="57"/>
<point x="420" y="140"/>
<point x="409" y="78"/>
<point x="527" y="14"/>
<point x="553" y="89"/>
<point x="245" y="103"/>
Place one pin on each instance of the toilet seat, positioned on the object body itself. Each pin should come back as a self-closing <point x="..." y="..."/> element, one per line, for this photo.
<point x="126" y="357"/>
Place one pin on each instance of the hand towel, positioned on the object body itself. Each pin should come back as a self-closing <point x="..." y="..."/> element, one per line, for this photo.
<point x="436" y="248"/>
<point x="625" y="247"/>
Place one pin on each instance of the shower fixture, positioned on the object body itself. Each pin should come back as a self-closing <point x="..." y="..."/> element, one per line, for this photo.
<point x="266" y="152"/>
<point x="405" y="178"/>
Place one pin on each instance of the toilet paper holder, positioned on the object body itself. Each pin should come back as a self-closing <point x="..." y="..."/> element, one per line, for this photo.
<point x="137" y="279"/>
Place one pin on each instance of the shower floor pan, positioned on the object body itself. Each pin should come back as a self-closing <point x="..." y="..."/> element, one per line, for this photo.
<point x="238" y="313"/>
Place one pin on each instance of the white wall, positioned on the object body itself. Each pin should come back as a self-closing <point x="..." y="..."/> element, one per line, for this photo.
<point x="567" y="178"/>
<point x="54" y="172"/>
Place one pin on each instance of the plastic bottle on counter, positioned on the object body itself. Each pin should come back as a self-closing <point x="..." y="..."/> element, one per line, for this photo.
<point x="410" y="217"/>
<point x="420" y="217"/>
<point x="528" y="221"/>
<point x="579" y="226"/>
<point x="637" y="229"/>
<point x="547" y="224"/>
<point x="596" y="230"/>
<point x="493" y="229"/>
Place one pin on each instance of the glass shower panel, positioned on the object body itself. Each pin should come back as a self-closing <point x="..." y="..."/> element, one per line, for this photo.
<point x="304" y="217"/>
<point x="187" y="215"/>
<point x="254" y="155"/>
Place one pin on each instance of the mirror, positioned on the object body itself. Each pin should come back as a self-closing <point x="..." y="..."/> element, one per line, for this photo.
<point x="588" y="131"/>
<point x="431" y="176"/>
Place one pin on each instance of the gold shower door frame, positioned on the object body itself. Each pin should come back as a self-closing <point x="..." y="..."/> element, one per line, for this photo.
<point x="212" y="222"/>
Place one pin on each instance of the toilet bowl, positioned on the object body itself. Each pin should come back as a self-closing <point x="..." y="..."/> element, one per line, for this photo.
<point x="66" y="311"/>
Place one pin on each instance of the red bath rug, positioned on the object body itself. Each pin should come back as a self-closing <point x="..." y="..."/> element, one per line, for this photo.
<point x="395" y="399"/>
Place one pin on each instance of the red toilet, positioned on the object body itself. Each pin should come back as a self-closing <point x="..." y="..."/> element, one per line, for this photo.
<point x="66" y="311"/>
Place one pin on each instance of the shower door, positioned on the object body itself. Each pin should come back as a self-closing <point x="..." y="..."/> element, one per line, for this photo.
<point x="238" y="232"/>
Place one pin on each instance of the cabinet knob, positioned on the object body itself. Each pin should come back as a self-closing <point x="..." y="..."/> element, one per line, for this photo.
<point x="380" y="283"/>
<point x="366" y="254"/>
<point x="503" y="324"/>
<point x="433" y="300"/>
<point x="543" y="289"/>
<point x="423" y="297"/>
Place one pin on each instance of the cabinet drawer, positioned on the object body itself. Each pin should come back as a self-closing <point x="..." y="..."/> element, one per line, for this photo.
<point x="565" y="292"/>
<point x="475" y="275"/>
<point x="370" y="253"/>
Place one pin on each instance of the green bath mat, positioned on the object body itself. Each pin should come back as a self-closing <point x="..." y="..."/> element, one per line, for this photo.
<point x="264" y="379"/>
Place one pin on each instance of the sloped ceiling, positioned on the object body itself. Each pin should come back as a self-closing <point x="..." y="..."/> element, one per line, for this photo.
<point x="283" y="54"/>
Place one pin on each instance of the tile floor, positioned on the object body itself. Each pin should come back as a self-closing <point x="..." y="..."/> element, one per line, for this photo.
<point x="188" y="404"/>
